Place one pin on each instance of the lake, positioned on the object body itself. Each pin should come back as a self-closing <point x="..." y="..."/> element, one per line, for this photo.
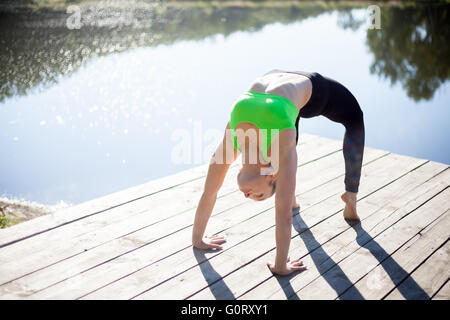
<point x="89" y="111"/>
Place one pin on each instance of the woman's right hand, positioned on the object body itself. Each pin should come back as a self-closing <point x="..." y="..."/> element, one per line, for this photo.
<point x="212" y="242"/>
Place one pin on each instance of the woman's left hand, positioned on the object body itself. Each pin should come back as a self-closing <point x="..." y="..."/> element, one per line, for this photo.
<point x="291" y="266"/>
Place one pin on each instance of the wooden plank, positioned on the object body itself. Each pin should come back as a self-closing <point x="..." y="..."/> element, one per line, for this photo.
<point x="72" y="214"/>
<point x="185" y="259"/>
<point x="89" y="233"/>
<point x="372" y="212"/>
<point x="400" y="198"/>
<point x="135" y="254"/>
<point x="189" y="261"/>
<point x="170" y="244"/>
<point x="96" y="206"/>
<point x="432" y="274"/>
<point x="197" y="278"/>
<point x="118" y="247"/>
<point x="396" y="269"/>
<point x="342" y="275"/>
<point x="443" y="293"/>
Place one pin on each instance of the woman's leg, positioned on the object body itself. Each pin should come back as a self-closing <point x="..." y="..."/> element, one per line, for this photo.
<point x="353" y="151"/>
<point x="343" y="108"/>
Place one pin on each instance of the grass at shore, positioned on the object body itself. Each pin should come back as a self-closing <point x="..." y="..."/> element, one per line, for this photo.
<point x="14" y="211"/>
<point x="136" y="4"/>
<point x="7" y="221"/>
<point x="6" y="218"/>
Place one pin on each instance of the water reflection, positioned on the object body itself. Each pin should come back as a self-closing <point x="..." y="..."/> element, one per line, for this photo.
<point x="411" y="48"/>
<point x="37" y="48"/>
<point x="91" y="111"/>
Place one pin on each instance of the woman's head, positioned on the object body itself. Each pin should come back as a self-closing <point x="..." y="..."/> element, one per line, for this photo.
<point x="254" y="185"/>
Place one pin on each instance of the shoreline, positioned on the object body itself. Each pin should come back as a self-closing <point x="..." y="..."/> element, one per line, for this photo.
<point x="14" y="211"/>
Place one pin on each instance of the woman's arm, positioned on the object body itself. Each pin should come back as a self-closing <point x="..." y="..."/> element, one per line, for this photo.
<point x="284" y="195"/>
<point x="217" y="171"/>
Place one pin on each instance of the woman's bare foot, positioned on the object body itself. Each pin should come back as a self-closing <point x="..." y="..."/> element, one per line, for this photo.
<point x="350" y="206"/>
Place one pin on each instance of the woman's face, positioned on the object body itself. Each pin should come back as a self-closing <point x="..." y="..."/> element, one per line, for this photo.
<point x="258" y="188"/>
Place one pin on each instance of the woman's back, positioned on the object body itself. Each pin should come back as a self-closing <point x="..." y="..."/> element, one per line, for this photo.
<point x="295" y="87"/>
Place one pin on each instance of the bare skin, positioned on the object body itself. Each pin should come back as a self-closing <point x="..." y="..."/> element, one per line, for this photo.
<point x="295" y="204"/>
<point x="213" y="242"/>
<point x="350" y="212"/>
<point x="291" y="266"/>
<point x="294" y="87"/>
<point x="256" y="186"/>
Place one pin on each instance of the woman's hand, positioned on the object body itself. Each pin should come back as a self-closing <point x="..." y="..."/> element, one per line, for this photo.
<point x="291" y="266"/>
<point x="212" y="242"/>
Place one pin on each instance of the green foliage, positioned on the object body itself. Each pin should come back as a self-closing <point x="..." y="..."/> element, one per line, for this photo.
<point x="5" y="221"/>
<point x="412" y="48"/>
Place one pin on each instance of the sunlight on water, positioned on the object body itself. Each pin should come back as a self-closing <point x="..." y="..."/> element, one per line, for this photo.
<point x="107" y="124"/>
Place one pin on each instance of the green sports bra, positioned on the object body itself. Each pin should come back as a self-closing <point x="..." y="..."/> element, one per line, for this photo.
<point x="266" y="111"/>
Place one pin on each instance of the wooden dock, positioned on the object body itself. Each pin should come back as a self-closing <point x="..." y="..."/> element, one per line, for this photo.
<point x="136" y="244"/>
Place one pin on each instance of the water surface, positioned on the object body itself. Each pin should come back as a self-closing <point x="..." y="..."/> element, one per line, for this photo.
<point x="92" y="111"/>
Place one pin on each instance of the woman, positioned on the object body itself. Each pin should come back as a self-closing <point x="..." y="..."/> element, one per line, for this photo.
<point x="264" y="127"/>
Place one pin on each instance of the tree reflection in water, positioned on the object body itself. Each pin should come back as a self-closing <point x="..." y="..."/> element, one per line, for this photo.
<point x="36" y="48"/>
<point x="411" y="47"/>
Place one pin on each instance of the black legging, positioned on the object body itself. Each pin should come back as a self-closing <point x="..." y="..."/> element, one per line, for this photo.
<point x="342" y="107"/>
<point x="332" y="100"/>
